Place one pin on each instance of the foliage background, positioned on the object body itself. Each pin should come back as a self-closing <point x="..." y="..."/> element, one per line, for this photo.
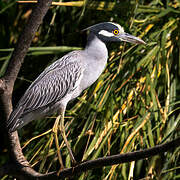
<point x="134" y="104"/>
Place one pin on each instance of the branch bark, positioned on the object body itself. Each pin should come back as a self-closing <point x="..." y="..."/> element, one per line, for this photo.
<point x="100" y="162"/>
<point x="120" y="158"/>
<point x="7" y="84"/>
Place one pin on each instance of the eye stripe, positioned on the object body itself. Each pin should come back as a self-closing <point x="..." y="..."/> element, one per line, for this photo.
<point x="106" y="33"/>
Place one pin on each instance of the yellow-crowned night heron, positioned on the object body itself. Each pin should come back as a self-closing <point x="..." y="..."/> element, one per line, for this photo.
<point x="66" y="78"/>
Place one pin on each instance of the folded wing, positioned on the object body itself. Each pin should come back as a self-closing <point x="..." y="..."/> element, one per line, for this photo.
<point x="51" y="86"/>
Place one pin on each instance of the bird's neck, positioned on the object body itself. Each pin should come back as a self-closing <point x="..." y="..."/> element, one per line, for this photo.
<point x="96" y="48"/>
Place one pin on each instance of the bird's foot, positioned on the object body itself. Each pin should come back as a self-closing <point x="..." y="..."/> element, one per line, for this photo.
<point x="74" y="163"/>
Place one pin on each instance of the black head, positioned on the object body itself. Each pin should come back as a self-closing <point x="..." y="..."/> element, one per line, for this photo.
<point x="108" y="31"/>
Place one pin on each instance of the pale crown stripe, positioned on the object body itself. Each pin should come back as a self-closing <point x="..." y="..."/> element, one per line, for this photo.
<point x="121" y="29"/>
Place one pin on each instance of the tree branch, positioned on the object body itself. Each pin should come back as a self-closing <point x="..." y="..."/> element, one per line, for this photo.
<point x="106" y="161"/>
<point x="19" y="163"/>
<point x="120" y="158"/>
<point x="25" y="40"/>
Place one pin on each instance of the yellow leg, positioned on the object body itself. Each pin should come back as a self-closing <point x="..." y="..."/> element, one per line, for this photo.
<point x="63" y="133"/>
<point x="55" y="131"/>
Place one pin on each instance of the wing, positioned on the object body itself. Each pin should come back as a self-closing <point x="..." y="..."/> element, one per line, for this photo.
<point x="51" y="86"/>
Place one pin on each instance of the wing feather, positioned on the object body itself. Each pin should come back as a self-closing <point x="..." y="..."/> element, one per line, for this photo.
<point x="51" y="86"/>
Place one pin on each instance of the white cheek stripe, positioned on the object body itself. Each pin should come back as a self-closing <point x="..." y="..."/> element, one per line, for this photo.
<point x="106" y="33"/>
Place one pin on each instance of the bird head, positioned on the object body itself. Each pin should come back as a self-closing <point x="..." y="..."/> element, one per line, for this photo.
<point x="109" y="31"/>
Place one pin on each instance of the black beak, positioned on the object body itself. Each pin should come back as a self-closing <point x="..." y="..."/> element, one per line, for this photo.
<point x="130" y="38"/>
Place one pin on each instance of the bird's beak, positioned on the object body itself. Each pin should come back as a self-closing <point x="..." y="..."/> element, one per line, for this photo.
<point x="130" y="38"/>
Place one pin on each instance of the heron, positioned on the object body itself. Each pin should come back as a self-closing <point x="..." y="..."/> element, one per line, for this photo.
<point x="65" y="79"/>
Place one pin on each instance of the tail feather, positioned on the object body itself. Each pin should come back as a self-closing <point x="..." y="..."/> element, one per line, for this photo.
<point x="14" y="120"/>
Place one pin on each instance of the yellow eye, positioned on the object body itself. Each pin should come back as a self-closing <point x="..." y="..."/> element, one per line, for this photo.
<point x="115" y="32"/>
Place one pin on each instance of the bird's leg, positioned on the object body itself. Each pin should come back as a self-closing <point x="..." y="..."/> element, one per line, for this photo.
<point x="63" y="133"/>
<point x="55" y="131"/>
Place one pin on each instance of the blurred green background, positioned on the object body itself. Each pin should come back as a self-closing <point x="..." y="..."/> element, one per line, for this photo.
<point x="134" y="104"/>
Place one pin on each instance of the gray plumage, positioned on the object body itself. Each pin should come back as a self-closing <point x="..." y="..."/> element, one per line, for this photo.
<point x="66" y="78"/>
